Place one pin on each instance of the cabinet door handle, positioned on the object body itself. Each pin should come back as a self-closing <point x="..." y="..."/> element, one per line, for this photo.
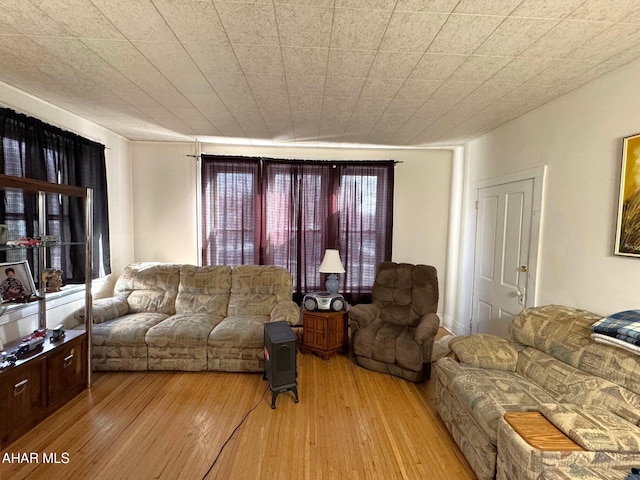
<point x="68" y="361"/>
<point x="20" y="387"/>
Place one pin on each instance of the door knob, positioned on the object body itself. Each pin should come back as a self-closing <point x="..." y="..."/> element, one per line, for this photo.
<point x="523" y="268"/>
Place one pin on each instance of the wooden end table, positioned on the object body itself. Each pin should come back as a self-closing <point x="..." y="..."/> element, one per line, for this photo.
<point x="324" y="333"/>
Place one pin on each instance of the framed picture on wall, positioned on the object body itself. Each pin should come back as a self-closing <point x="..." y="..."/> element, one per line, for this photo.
<point x="628" y="229"/>
<point x="16" y="281"/>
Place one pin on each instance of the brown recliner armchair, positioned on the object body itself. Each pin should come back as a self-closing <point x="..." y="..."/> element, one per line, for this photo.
<point x="395" y="333"/>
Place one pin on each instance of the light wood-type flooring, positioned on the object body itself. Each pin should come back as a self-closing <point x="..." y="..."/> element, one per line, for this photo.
<point x="350" y="423"/>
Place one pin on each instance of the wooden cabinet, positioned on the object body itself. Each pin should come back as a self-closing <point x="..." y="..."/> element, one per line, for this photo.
<point x="40" y="383"/>
<point x="324" y="333"/>
<point x="43" y="380"/>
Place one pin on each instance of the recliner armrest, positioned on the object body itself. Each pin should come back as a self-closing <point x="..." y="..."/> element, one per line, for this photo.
<point x="363" y="314"/>
<point x="427" y="328"/>
<point x="286" y="311"/>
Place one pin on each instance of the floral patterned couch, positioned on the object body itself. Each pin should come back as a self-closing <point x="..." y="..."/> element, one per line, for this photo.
<point x="549" y="363"/>
<point x="185" y="317"/>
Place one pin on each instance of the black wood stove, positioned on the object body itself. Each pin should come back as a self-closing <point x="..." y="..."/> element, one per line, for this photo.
<point x="280" y="359"/>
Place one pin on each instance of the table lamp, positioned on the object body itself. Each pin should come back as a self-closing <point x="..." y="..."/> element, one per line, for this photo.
<point x="332" y="265"/>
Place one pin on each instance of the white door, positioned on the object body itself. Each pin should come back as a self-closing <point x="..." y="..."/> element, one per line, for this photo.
<point x="503" y="236"/>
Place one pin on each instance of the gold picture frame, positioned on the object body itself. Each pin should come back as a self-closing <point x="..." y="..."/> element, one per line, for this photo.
<point x="628" y="228"/>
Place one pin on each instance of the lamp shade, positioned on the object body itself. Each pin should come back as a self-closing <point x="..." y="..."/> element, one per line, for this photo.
<point x="331" y="262"/>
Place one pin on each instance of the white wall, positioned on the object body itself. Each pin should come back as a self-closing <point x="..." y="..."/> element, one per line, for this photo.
<point x="118" y="165"/>
<point x="579" y="137"/>
<point x="165" y="196"/>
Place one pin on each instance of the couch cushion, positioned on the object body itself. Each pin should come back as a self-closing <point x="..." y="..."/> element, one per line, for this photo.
<point x="488" y="393"/>
<point x="486" y="351"/>
<point x="256" y="289"/>
<point x="204" y="289"/>
<point x="584" y="472"/>
<point x="129" y="329"/>
<point x="593" y="428"/>
<point x="239" y="332"/>
<point x="568" y="384"/>
<point x="150" y="287"/>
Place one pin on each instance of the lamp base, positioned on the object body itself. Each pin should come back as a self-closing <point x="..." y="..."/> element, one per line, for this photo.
<point x="332" y="284"/>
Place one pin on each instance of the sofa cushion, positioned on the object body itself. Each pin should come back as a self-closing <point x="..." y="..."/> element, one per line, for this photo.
<point x="126" y="330"/>
<point x="489" y="393"/>
<point x="593" y="428"/>
<point x="584" y="472"/>
<point x="150" y="287"/>
<point x="204" y="289"/>
<point x="256" y="289"/>
<point x="486" y="351"/>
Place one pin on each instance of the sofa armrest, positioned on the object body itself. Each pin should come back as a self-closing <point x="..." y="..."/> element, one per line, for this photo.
<point x="286" y="311"/>
<point x="363" y="314"/>
<point x="593" y="428"/>
<point x="486" y="351"/>
<point x="427" y="328"/>
<point x="105" y="309"/>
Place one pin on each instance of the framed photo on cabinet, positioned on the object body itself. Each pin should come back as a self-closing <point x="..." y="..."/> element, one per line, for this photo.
<point x="16" y="281"/>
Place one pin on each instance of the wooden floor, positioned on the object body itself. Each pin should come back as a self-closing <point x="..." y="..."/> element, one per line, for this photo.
<point x="350" y="423"/>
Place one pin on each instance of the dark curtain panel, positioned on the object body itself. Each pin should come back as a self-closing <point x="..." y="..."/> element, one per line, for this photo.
<point x="288" y="212"/>
<point x="31" y="148"/>
<point x="231" y="211"/>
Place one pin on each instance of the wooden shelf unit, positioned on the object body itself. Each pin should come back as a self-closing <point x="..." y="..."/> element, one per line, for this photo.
<point x="45" y="379"/>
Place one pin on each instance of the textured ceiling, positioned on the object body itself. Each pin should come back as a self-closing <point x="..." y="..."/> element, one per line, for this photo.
<point x="374" y="72"/>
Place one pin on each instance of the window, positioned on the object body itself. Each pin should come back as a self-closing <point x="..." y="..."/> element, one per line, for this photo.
<point x="287" y="212"/>
<point x="32" y="149"/>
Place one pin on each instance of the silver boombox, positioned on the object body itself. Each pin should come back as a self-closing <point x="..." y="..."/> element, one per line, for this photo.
<point x="324" y="301"/>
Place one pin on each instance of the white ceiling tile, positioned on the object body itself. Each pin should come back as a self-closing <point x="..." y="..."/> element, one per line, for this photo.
<point x="193" y="21"/>
<point x="175" y="64"/>
<point x="349" y="63"/>
<point x="358" y="29"/>
<point x="393" y="64"/>
<point x="305" y="85"/>
<point x="451" y="91"/>
<point x="562" y="39"/>
<point x="514" y="35"/>
<point x="381" y="87"/>
<point x="344" y="86"/>
<point x="418" y="90"/>
<point x="70" y="51"/>
<point x="80" y="17"/>
<point x="306" y="103"/>
<point x="403" y="106"/>
<point x="212" y="59"/>
<point x="411" y="31"/>
<point x="249" y="23"/>
<point x="337" y="106"/>
<point x="489" y="92"/>
<point x="19" y="50"/>
<point x="259" y="59"/>
<point x="464" y="33"/>
<point x="28" y="20"/>
<point x="604" y="10"/>
<point x="305" y="60"/>
<point x="521" y="69"/>
<point x="366" y="4"/>
<point x="563" y="71"/>
<point x="437" y="66"/>
<point x="435" y="6"/>
<point x="137" y="20"/>
<point x="487" y="7"/>
<point x="552" y="9"/>
<point x="304" y="25"/>
<point x="610" y="42"/>
<point x="268" y="85"/>
<point x="478" y="68"/>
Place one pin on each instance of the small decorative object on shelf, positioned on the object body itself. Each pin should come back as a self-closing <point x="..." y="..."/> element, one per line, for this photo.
<point x="52" y="279"/>
<point x="37" y="241"/>
<point x="57" y="333"/>
<point x="32" y="342"/>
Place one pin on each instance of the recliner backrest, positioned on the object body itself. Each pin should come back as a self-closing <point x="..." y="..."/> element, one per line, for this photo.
<point x="405" y="292"/>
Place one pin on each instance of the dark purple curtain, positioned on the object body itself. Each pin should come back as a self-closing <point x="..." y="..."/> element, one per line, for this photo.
<point x="287" y="212"/>
<point x="33" y="149"/>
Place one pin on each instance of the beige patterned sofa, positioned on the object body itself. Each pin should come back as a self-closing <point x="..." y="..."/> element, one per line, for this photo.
<point x="185" y="317"/>
<point x="550" y="364"/>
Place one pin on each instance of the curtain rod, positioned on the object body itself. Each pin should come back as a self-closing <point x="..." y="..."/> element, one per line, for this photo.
<point x="298" y="159"/>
